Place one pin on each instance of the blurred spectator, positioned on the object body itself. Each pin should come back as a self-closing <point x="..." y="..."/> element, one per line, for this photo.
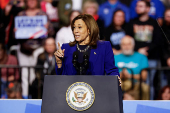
<point x="166" y="48"/>
<point x="114" y="33"/>
<point x="27" y="53"/>
<point x="14" y="91"/>
<point x="32" y="8"/>
<point x="11" y="11"/>
<point x="164" y="93"/>
<point x="52" y="12"/>
<point x="147" y="35"/>
<point x="131" y="95"/>
<point x="7" y="74"/>
<point x="65" y="7"/>
<point x="50" y="7"/>
<point x="156" y="9"/>
<point x="65" y="34"/>
<point x="130" y="62"/>
<point x="91" y="8"/>
<point x="47" y="60"/>
<point x="166" y="3"/>
<point x="107" y="9"/>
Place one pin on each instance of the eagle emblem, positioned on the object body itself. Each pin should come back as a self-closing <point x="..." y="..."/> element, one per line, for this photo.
<point x="80" y="96"/>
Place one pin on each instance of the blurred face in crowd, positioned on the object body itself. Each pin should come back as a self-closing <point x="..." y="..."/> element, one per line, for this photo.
<point x="91" y="9"/>
<point x="73" y="15"/>
<point x="166" y="94"/>
<point x="80" y="31"/>
<point x="50" y="45"/>
<point x="167" y="16"/>
<point x="141" y="8"/>
<point x="32" y="4"/>
<point x="28" y="46"/>
<point x="119" y="18"/>
<point x="112" y="1"/>
<point x="127" y="45"/>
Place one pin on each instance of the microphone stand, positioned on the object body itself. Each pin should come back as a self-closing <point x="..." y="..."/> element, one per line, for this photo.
<point x="86" y="62"/>
<point x="84" y="65"/>
<point x="81" y="67"/>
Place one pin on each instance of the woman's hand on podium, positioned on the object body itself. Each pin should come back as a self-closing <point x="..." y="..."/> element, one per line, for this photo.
<point x="59" y="55"/>
<point x="119" y="80"/>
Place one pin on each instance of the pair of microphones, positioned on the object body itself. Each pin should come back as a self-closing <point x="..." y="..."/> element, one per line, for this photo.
<point x="81" y="67"/>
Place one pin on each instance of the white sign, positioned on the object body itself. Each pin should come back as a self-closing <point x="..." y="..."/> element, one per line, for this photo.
<point x="28" y="27"/>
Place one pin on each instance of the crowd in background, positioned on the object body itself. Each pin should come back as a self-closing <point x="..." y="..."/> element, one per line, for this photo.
<point x="138" y="30"/>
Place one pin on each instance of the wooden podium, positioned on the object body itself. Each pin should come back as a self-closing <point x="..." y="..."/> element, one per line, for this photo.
<point x="107" y="97"/>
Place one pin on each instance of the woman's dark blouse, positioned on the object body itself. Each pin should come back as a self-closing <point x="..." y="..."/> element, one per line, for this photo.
<point x="81" y="54"/>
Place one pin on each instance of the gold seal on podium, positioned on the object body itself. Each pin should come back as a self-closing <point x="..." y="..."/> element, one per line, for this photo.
<point x="80" y="96"/>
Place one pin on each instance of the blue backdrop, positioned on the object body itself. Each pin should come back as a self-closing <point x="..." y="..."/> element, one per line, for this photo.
<point x="34" y="106"/>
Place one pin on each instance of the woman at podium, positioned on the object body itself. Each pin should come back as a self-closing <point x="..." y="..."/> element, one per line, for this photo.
<point x="86" y="55"/>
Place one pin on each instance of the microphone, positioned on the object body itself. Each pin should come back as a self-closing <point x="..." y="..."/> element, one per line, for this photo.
<point x="75" y="57"/>
<point x="80" y="67"/>
<point x="86" y="59"/>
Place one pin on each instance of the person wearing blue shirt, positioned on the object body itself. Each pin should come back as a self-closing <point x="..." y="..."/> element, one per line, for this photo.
<point x="107" y="9"/>
<point x="130" y="62"/>
<point x="136" y="62"/>
<point x="156" y="11"/>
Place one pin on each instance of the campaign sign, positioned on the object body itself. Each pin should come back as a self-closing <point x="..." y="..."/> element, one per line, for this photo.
<point x="28" y="27"/>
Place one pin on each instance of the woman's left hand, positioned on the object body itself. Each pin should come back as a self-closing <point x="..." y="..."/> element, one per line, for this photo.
<point x="119" y="80"/>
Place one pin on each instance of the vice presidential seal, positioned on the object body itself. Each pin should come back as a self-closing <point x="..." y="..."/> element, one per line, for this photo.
<point x="80" y="96"/>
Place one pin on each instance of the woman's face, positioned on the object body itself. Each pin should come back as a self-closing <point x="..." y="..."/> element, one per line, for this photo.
<point x="166" y="94"/>
<point x="50" y="46"/>
<point x="119" y="18"/>
<point x="32" y="4"/>
<point x="80" y="31"/>
<point x="91" y="10"/>
<point x="73" y="15"/>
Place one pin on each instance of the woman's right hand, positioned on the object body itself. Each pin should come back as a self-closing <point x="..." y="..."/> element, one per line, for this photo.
<point x="59" y="54"/>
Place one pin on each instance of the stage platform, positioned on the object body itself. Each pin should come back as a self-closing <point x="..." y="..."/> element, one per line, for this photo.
<point x="34" y="106"/>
